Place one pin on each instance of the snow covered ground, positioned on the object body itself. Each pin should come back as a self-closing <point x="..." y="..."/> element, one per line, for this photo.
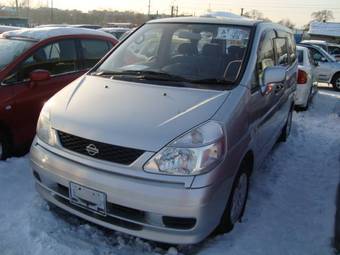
<point x="291" y="208"/>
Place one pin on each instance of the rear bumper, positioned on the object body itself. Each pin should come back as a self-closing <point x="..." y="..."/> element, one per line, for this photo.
<point x="154" y="210"/>
<point x="302" y="94"/>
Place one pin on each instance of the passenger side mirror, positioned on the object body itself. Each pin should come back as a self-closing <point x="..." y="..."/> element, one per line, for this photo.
<point x="272" y="75"/>
<point x="39" y="75"/>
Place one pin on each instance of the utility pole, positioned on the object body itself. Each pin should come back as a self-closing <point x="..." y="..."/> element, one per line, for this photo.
<point x="17" y="7"/>
<point x="149" y="9"/>
<point x="51" y="11"/>
<point x="172" y="10"/>
<point x="242" y="9"/>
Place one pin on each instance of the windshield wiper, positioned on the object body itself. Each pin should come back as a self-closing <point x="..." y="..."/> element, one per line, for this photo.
<point x="152" y="75"/>
<point x="212" y="81"/>
<point x="103" y="73"/>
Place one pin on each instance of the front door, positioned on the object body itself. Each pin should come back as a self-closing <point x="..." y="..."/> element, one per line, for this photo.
<point x="61" y="60"/>
<point x="323" y="70"/>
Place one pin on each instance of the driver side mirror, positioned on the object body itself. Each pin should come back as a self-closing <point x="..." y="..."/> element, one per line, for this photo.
<point x="272" y="75"/>
<point x="38" y="76"/>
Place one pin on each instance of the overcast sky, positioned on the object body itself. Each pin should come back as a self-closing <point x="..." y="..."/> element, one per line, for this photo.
<point x="298" y="11"/>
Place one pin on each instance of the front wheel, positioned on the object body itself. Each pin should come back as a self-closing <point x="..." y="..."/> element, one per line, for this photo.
<point x="236" y="203"/>
<point x="336" y="82"/>
<point x="4" y="147"/>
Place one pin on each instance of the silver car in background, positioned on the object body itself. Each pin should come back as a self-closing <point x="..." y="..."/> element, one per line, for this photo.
<point x="306" y="82"/>
<point x="332" y="48"/>
<point x="328" y="69"/>
<point x="159" y="140"/>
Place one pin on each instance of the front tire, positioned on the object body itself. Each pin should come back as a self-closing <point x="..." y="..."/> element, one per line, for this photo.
<point x="336" y="82"/>
<point x="236" y="204"/>
<point x="4" y="146"/>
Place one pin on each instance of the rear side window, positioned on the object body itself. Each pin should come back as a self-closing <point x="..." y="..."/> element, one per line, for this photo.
<point x="266" y="56"/>
<point x="291" y="48"/>
<point x="57" y="58"/>
<point x="281" y="51"/>
<point x="334" y="50"/>
<point x="93" y="51"/>
<point x="300" y="57"/>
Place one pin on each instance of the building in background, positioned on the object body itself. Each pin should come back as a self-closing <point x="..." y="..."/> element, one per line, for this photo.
<point x="13" y="21"/>
<point x="326" y="31"/>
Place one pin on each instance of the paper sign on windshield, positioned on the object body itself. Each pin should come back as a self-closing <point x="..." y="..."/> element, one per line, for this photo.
<point x="227" y="33"/>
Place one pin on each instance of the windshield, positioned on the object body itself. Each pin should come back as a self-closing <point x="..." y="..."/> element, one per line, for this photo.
<point x="189" y="52"/>
<point x="328" y="56"/>
<point x="11" y="49"/>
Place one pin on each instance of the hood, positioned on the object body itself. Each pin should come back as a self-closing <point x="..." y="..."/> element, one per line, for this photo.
<point x="128" y="114"/>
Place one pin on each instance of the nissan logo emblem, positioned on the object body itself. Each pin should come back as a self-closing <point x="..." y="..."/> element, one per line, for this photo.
<point x="92" y="150"/>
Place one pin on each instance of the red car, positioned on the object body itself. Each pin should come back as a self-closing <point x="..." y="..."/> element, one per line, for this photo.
<point x="34" y="65"/>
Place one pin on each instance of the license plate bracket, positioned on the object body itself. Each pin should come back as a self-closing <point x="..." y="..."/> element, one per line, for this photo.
<point x="87" y="198"/>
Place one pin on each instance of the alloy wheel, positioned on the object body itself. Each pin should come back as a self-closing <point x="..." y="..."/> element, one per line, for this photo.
<point x="337" y="83"/>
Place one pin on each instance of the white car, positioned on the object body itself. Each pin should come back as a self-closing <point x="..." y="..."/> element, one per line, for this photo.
<point x="306" y="83"/>
<point x="332" y="48"/>
<point x="117" y="32"/>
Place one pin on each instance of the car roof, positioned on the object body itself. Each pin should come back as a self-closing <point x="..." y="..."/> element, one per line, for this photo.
<point x="334" y="44"/>
<point x="314" y="42"/>
<point x="208" y="20"/>
<point x="39" y="34"/>
<point x="300" y="47"/>
<point x="114" y="29"/>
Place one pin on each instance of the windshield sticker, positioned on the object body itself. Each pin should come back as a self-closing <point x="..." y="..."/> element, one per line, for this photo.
<point x="227" y="33"/>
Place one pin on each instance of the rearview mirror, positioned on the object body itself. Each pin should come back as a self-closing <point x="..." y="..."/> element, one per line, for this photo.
<point x="272" y="75"/>
<point x="40" y="75"/>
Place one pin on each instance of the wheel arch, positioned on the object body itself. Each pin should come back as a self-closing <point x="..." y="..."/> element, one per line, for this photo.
<point x="334" y="75"/>
<point x="247" y="162"/>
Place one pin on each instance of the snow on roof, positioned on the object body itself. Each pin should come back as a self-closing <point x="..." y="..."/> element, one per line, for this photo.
<point x="221" y="14"/>
<point x="8" y="28"/>
<point x="325" y="28"/>
<point x="43" y="33"/>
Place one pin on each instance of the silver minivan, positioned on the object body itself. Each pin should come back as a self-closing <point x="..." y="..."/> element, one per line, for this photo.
<point x="160" y="138"/>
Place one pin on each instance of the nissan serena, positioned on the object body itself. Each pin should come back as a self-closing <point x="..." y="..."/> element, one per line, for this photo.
<point x="160" y="138"/>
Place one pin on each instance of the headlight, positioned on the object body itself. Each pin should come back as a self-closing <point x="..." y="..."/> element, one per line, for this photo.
<point x="44" y="128"/>
<point x="192" y="154"/>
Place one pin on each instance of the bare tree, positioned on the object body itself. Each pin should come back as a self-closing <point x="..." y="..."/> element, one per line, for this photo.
<point x="254" y="14"/>
<point x="287" y="23"/>
<point x="323" y="16"/>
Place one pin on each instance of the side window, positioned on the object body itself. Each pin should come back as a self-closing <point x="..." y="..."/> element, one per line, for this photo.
<point x="265" y="56"/>
<point x="93" y="51"/>
<point x="281" y="51"/>
<point x="291" y="48"/>
<point x="57" y="58"/>
<point x="300" y="57"/>
<point x="334" y="50"/>
<point x="311" y="60"/>
<point x="316" y="55"/>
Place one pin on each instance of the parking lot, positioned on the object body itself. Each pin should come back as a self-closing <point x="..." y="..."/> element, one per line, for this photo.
<point x="291" y="208"/>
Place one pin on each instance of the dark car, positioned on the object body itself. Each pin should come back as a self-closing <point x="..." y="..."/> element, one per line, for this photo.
<point x="34" y="65"/>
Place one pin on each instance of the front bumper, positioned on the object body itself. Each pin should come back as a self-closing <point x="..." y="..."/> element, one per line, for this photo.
<point x="160" y="211"/>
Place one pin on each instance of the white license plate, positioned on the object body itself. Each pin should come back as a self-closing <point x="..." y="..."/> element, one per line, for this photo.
<point x="87" y="198"/>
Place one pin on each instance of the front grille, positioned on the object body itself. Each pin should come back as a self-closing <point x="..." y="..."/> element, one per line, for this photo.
<point x="98" y="150"/>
